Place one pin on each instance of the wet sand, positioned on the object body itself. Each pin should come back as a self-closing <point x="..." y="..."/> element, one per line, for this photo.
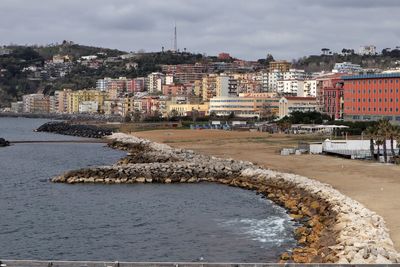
<point x="375" y="185"/>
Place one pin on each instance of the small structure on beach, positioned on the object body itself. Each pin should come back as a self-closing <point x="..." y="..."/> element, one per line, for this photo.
<point x="316" y="128"/>
<point x="354" y="149"/>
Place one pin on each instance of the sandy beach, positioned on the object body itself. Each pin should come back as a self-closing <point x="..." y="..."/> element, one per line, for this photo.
<point x="375" y="185"/>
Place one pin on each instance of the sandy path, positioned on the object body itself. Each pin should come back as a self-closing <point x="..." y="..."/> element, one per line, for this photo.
<point x="375" y="185"/>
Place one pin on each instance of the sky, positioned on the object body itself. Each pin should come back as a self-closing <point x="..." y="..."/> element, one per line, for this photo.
<point x="247" y="29"/>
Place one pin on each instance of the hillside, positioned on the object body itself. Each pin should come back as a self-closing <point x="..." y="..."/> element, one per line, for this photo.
<point x="70" y="49"/>
<point x="28" y="69"/>
<point x="316" y="63"/>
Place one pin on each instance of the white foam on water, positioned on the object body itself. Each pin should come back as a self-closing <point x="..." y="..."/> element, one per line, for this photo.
<point x="271" y="230"/>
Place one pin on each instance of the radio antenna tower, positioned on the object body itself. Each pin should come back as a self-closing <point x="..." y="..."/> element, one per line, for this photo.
<point x="175" y="40"/>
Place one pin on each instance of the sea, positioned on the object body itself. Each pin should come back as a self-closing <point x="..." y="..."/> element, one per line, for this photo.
<point x="41" y="220"/>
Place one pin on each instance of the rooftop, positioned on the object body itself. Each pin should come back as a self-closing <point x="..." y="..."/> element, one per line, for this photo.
<point x="372" y="76"/>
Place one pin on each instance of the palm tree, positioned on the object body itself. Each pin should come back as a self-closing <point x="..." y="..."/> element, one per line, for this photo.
<point x="392" y="134"/>
<point x="379" y="142"/>
<point x="384" y="129"/>
<point x="371" y="132"/>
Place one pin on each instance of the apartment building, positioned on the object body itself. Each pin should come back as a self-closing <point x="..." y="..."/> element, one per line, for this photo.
<point x="209" y="85"/>
<point x="36" y="103"/>
<point x="372" y="97"/>
<point x="289" y="104"/>
<point x="246" y="105"/>
<point x="74" y="99"/>
<point x="156" y="80"/>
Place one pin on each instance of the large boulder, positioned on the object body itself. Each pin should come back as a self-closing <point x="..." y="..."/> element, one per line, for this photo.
<point x="4" y="142"/>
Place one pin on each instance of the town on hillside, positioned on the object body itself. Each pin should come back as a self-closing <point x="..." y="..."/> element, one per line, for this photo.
<point x="223" y="86"/>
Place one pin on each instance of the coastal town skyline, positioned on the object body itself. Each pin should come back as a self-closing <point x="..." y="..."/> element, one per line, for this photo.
<point x="285" y="29"/>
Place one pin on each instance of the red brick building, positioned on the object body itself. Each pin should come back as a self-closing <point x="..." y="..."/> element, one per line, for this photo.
<point x="332" y="94"/>
<point x="371" y="97"/>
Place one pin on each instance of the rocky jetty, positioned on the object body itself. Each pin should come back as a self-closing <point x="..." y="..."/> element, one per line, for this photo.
<point x="89" y="131"/>
<point x="4" y="142"/>
<point x="333" y="228"/>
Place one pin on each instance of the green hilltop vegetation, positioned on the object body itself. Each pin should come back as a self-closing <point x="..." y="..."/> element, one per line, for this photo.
<point x="316" y="63"/>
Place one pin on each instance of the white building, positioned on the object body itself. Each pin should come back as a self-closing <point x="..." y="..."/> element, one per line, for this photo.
<point x="156" y="80"/>
<point x="102" y="84"/>
<point x="310" y="88"/>
<point x="367" y="50"/>
<point x="17" y="107"/>
<point x="294" y="74"/>
<point x="222" y="87"/>
<point x="240" y="106"/>
<point x="169" y="79"/>
<point x="90" y="57"/>
<point x="273" y="78"/>
<point x="346" y="67"/>
<point x="292" y="87"/>
<point x="88" y="107"/>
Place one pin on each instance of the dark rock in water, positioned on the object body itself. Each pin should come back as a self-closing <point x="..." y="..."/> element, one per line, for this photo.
<point x="89" y="131"/>
<point x="4" y="142"/>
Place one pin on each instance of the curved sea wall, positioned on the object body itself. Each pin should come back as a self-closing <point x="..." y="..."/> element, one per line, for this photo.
<point x="334" y="228"/>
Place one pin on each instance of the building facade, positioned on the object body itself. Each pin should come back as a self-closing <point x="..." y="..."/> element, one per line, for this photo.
<point x="290" y="104"/>
<point x="372" y="97"/>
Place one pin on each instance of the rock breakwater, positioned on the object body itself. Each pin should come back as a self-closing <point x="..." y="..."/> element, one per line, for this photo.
<point x="89" y="131"/>
<point x="334" y="228"/>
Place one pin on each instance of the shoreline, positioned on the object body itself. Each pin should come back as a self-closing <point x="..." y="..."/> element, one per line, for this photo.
<point x="330" y="221"/>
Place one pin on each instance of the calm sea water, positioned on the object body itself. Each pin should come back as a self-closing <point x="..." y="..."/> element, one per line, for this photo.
<point x="179" y="222"/>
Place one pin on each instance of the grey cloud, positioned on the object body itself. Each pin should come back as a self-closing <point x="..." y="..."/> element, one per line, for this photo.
<point x="246" y="29"/>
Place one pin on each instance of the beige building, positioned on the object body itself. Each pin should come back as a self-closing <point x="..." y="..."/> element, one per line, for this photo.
<point x="280" y="65"/>
<point x="187" y="109"/>
<point x="77" y="97"/>
<point x="198" y="88"/>
<point x="36" y="103"/>
<point x="246" y="105"/>
<point x="61" y="100"/>
<point x="289" y="104"/>
<point x="209" y="85"/>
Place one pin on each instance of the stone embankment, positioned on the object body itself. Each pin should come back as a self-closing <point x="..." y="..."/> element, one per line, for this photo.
<point x="334" y="228"/>
<point x="4" y="142"/>
<point x="89" y="131"/>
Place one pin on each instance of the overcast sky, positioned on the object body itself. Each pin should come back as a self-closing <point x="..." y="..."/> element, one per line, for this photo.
<point x="247" y="29"/>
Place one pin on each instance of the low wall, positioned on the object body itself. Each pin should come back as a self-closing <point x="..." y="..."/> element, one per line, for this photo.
<point x="334" y="228"/>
